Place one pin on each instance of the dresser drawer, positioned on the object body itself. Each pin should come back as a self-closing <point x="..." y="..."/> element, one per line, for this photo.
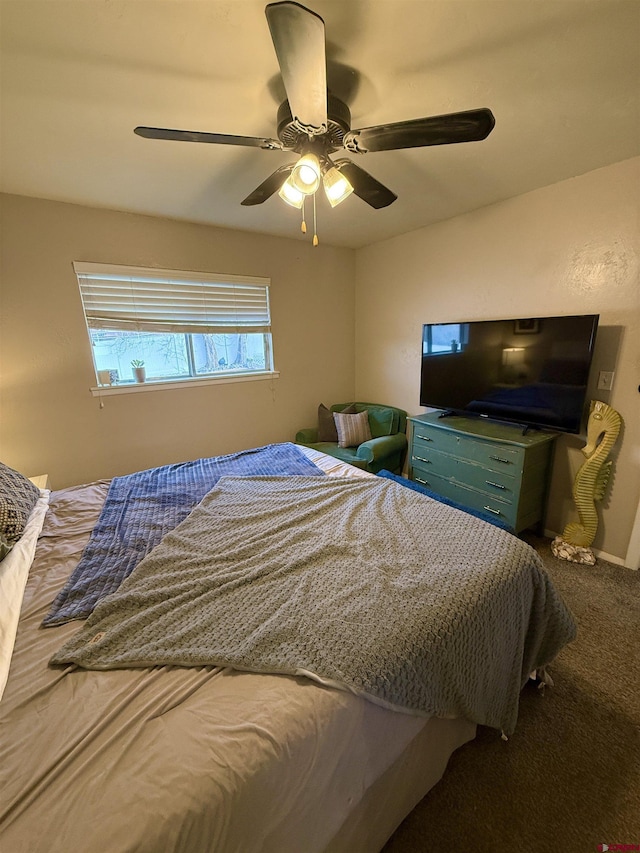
<point x="498" y="482"/>
<point x="496" y="457"/>
<point x="432" y="461"/>
<point x="489" y="504"/>
<point x="437" y="439"/>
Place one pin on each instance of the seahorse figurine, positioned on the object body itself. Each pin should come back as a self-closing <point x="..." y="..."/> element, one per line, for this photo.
<point x="590" y="484"/>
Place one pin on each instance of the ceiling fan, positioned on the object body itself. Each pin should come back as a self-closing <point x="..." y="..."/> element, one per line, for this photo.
<point x="315" y="124"/>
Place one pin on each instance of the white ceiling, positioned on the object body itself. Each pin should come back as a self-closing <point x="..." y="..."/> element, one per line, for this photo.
<point x="562" y="79"/>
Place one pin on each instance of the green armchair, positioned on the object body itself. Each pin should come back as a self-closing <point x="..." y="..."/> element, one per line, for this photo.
<point x="386" y="449"/>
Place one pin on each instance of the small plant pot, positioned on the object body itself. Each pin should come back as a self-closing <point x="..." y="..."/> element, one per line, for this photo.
<point x="140" y="374"/>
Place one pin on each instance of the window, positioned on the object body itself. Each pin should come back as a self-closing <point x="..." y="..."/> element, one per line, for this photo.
<point x="181" y="325"/>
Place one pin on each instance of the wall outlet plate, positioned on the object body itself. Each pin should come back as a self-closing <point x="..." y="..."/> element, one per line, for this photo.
<point x="605" y="380"/>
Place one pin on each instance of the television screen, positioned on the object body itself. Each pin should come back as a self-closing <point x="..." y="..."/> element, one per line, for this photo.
<point x="527" y="371"/>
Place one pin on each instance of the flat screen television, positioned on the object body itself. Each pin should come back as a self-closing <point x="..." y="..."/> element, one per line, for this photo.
<point x="532" y="372"/>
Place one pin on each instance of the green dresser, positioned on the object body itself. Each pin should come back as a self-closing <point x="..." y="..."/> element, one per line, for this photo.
<point x="484" y="465"/>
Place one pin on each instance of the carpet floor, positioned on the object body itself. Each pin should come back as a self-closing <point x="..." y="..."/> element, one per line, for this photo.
<point x="569" y="777"/>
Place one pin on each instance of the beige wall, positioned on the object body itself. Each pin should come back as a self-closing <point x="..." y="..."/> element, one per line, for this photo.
<point x="571" y="248"/>
<point x="49" y="422"/>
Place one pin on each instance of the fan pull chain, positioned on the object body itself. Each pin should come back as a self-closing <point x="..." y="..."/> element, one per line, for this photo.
<point x="303" y="226"/>
<point x="315" y="226"/>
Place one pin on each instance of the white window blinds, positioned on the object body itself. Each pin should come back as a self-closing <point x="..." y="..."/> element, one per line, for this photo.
<point x="150" y="300"/>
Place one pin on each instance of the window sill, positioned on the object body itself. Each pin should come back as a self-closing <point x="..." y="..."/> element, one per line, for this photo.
<point x="167" y="384"/>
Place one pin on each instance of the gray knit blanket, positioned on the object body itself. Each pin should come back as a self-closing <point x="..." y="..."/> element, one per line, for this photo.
<point x="412" y="604"/>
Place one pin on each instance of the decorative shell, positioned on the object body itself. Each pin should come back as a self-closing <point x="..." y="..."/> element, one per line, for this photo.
<point x="573" y="553"/>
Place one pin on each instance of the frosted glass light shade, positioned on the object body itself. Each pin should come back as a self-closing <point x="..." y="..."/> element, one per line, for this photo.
<point x="290" y="194"/>
<point x="306" y="174"/>
<point x="336" y="186"/>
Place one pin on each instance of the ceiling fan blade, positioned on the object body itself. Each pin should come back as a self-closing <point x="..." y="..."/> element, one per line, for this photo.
<point x="469" y="126"/>
<point x="298" y="38"/>
<point x="215" y="138"/>
<point x="365" y="186"/>
<point x="270" y="186"/>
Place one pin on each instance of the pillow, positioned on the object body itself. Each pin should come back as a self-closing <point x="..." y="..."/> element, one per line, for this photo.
<point x="352" y="429"/>
<point x="5" y="547"/>
<point x="18" y="496"/>
<point x="326" y="424"/>
<point x="381" y="421"/>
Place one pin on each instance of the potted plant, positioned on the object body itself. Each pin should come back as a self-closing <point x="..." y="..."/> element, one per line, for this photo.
<point x="139" y="371"/>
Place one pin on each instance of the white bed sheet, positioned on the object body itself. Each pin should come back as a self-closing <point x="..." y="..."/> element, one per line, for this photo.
<point x="14" y="571"/>
<point x="331" y="466"/>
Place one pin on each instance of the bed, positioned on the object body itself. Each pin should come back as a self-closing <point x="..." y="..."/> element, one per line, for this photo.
<point x="105" y="747"/>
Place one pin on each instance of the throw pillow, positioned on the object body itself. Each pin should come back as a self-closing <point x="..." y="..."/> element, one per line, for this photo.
<point x="381" y="421"/>
<point x="18" y="496"/>
<point x="326" y="424"/>
<point x="5" y="547"/>
<point x="352" y="429"/>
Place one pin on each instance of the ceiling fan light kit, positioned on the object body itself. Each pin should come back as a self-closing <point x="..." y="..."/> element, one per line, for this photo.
<point x="314" y="124"/>
<point x="336" y="187"/>
<point x="290" y="194"/>
<point x="305" y="176"/>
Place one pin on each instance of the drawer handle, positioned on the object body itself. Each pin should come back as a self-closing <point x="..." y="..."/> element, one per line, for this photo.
<point x="420" y="480"/>
<point x="422" y="459"/>
<point x="500" y="459"/>
<point x="494" y="511"/>
<point x="424" y="438"/>
<point x="495" y="485"/>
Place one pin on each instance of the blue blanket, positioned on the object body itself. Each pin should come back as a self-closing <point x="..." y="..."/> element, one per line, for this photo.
<point x="140" y="508"/>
